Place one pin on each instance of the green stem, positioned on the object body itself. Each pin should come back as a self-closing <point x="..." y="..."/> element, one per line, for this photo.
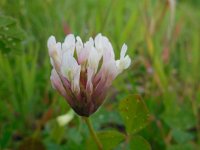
<point x="93" y="133"/>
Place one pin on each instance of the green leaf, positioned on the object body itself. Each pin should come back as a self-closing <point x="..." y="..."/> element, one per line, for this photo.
<point x="179" y="115"/>
<point x="5" y="136"/>
<point x="186" y="146"/>
<point x="139" y="143"/>
<point x="182" y="136"/>
<point x="6" y="21"/>
<point x="11" y="35"/>
<point x="109" y="139"/>
<point x="134" y="113"/>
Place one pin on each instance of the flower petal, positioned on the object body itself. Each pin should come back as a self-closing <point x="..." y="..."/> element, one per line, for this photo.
<point x="93" y="59"/>
<point x="124" y="61"/>
<point x="123" y="51"/>
<point x="69" y="44"/>
<point x="79" y="45"/>
<point x="56" y="83"/>
<point x="69" y="64"/>
<point x="54" y="52"/>
<point x="99" y="44"/>
<point x="76" y="79"/>
<point x="84" y="54"/>
<point x="89" y="85"/>
<point x="51" y="41"/>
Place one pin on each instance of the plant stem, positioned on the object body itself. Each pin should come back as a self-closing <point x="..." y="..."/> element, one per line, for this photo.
<point x="93" y="133"/>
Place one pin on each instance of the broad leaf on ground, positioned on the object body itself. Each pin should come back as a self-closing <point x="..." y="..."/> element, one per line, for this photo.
<point x="134" y="113"/>
<point x="139" y="143"/>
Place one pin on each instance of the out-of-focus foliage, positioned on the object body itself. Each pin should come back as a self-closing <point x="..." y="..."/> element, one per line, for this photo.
<point x="10" y="35"/>
<point x="134" y="113"/>
<point x="164" y="43"/>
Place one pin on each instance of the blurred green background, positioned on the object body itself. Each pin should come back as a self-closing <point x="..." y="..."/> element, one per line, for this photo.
<point x="163" y="38"/>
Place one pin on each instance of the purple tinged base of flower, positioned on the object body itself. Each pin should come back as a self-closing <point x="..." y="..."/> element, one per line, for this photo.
<point x="83" y="73"/>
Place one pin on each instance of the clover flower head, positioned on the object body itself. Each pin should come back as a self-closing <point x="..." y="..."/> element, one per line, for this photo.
<point x="83" y="72"/>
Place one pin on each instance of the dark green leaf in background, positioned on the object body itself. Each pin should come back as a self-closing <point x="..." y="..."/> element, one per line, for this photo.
<point x="134" y="113"/>
<point x="139" y="143"/>
<point x="179" y="115"/>
<point x="182" y="136"/>
<point x="11" y="35"/>
<point x="186" y="146"/>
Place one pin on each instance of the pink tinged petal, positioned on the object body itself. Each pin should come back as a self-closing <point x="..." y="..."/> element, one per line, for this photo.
<point x="76" y="79"/>
<point x="69" y="44"/>
<point x="84" y="54"/>
<point x="100" y="86"/>
<point x="108" y="74"/>
<point x="111" y="72"/>
<point x="108" y="58"/>
<point x="56" y="83"/>
<point x="89" y="85"/>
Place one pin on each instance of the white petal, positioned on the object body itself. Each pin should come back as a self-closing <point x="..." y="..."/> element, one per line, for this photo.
<point x="51" y="44"/>
<point x="123" y="51"/>
<point x="108" y="52"/>
<point x="123" y="63"/>
<point x="89" y="43"/>
<point x="69" y="63"/>
<point x="93" y="59"/>
<point x="112" y="69"/>
<point x="58" y="50"/>
<point x="127" y="62"/>
<point x="52" y="63"/>
<point x="71" y="70"/>
<point x="54" y="52"/>
<point x="98" y="41"/>
<point x="79" y="45"/>
<point x="51" y="41"/>
<point x="69" y="44"/>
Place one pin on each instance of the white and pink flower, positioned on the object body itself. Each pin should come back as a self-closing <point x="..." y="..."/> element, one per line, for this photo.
<point x="83" y="72"/>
